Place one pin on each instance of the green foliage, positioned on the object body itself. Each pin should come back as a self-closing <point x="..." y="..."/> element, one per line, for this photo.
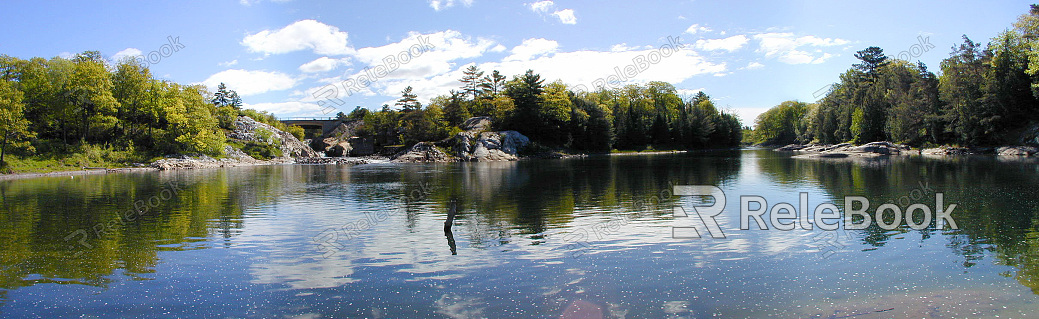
<point x="423" y="125"/>
<point x="408" y="100"/>
<point x="296" y="131"/>
<point x="263" y="151"/>
<point x="986" y="95"/>
<point x="14" y="128"/>
<point x="779" y="125"/>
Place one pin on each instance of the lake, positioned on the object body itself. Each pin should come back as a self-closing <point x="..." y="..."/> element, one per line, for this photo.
<point x="529" y="239"/>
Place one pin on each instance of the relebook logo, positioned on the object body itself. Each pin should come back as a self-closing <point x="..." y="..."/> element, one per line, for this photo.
<point x="857" y="214"/>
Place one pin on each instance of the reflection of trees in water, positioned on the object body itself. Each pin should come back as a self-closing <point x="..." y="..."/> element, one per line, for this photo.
<point x="996" y="200"/>
<point x="39" y="214"/>
<point x="537" y="194"/>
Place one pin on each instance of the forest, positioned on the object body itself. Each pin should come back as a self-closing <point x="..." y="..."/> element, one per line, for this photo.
<point x="985" y="95"/>
<point x="83" y="111"/>
<point x="87" y="111"/>
<point x="635" y="117"/>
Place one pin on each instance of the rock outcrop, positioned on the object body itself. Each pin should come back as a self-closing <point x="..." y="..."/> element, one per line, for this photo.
<point x="947" y="150"/>
<point x="423" y="152"/>
<point x="361" y="146"/>
<point x="248" y="130"/>
<point x="473" y="145"/>
<point x="847" y="149"/>
<point x="488" y="146"/>
<point x="203" y="161"/>
<point x="1017" y="151"/>
<point x="478" y="124"/>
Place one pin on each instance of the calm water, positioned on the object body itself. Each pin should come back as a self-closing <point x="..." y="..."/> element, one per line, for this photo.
<point x="529" y="239"/>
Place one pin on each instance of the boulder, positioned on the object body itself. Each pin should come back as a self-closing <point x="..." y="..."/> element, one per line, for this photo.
<point x="488" y="146"/>
<point x="791" y="147"/>
<point x="423" y="152"/>
<point x="479" y="123"/>
<point x="346" y="129"/>
<point x="361" y="146"/>
<point x="340" y="149"/>
<point x="1016" y="151"/>
<point x="882" y="148"/>
<point x="947" y="150"/>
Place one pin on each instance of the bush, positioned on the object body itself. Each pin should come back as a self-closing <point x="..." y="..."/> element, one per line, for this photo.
<point x="296" y="131"/>
<point x="261" y="151"/>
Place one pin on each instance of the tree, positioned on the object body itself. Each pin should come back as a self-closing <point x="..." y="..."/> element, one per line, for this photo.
<point x="872" y="59"/>
<point x="554" y="114"/>
<point x="493" y="84"/>
<point x="455" y="109"/>
<point x="129" y="87"/>
<point x="912" y="93"/>
<point x="525" y="92"/>
<point x="90" y="92"/>
<point x="408" y="101"/>
<point x="778" y="125"/>
<point x="960" y="88"/>
<point x="357" y="114"/>
<point x="14" y="128"/>
<point x="472" y="81"/>
<point x="1007" y="101"/>
<point x="226" y="97"/>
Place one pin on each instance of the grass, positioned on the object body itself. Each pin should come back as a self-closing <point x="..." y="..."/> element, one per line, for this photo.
<point x="74" y="159"/>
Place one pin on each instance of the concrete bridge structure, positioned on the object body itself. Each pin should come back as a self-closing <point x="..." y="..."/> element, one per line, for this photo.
<point x="325" y="124"/>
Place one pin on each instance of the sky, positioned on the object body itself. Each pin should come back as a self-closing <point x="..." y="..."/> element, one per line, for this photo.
<point x="314" y="58"/>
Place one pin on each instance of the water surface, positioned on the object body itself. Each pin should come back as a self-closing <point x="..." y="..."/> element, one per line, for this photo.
<point x="528" y="239"/>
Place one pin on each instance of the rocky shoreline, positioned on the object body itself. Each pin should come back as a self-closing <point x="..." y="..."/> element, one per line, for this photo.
<point x="877" y="149"/>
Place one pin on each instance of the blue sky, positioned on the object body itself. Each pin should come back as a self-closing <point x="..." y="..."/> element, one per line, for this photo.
<point x="288" y="56"/>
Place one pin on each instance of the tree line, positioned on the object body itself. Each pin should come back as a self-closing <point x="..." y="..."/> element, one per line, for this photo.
<point x="984" y="96"/>
<point x="553" y="115"/>
<point x="54" y="107"/>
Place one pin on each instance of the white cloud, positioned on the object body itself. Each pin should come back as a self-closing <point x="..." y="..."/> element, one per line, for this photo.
<point x="531" y="48"/>
<point x="251" y="82"/>
<point x="300" y="35"/>
<point x="322" y="64"/>
<point x="786" y="47"/>
<point x="625" y="47"/>
<point x="228" y="63"/>
<point x="541" y="6"/>
<point x="447" y="46"/>
<point x="566" y="16"/>
<point x="588" y="67"/>
<point x="125" y="53"/>
<point x="688" y="93"/>
<point x="754" y="66"/>
<point x="730" y="44"/>
<point x="439" y="63"/>
<point x="287" y="108"/>
<point x="438" y="5"/>
<point x="696" y="28"/>
<point x="438" y="71"/>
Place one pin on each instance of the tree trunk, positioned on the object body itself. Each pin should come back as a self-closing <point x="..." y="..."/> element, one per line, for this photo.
<point x="3" y="148"/>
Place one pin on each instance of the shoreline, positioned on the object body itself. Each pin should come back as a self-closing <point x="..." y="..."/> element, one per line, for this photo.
<point x="276" y="161"/>
<point x="83" y="172"/>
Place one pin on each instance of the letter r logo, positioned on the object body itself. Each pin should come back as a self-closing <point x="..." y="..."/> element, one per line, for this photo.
<point x="704" y="214"/>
